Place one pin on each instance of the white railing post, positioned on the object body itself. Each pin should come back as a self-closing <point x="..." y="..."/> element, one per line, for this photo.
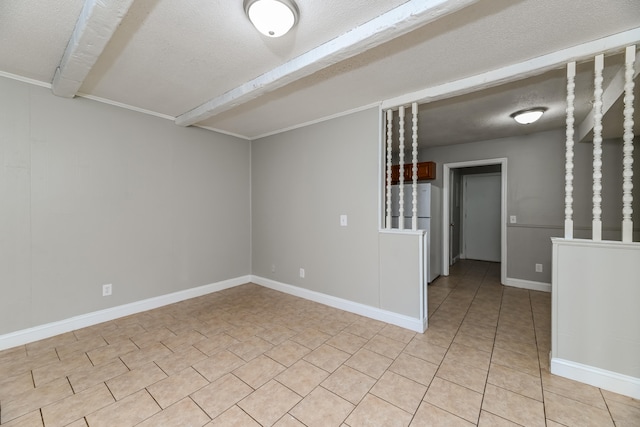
<point x="414" y="170"/>
<point x="597" y="150"/>
<point x="401" y="168"/>
<point x="389" y="158"/>
<point x="627" y="162"/>
<point x="568" y="177"/>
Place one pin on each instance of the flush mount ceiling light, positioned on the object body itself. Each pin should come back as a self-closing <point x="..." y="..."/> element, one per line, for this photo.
<point x="273" y="18"/>
<point x="528" y="116"/>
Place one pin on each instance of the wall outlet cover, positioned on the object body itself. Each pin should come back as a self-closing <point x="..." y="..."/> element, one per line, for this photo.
<point x="302" y="273"/>
<point x="343" y="220"/>
<point x="107" y="290"/>
<point x="538" y="268"/>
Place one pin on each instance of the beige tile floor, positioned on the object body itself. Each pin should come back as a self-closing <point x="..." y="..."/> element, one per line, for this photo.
<point x="250" y="356"/>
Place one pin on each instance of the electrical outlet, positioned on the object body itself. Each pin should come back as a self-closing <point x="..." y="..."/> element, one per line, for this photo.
<point x="513" y="219"/>
<point x="273" y="268"/>
<point x="343" y="220"/>
<point x="302" y="273"/>
<point x="107" y="289"/>
<point x="538" y="268"/>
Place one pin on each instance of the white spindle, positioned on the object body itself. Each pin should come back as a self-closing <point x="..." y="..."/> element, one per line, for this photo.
<point x="568" y="177"/>
<point x="414" y="170"/>
<point x="627" y="162"/>
<point x="597" y="150"/>
<point x="401" y="169"/>
<point x="389" y="158"/>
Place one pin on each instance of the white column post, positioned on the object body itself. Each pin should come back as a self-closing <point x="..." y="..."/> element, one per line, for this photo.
<point x="627" y="162"/>
<point x="401" y="168"/>
<point x="389" y="158"/>
<point x="597" y="150"/>
<point x="414" y="170"/>
<point x="568" y="177"/>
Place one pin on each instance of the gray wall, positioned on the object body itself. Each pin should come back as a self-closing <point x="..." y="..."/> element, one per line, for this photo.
<point x="535" y="192"/>
<point x="302" y="180"/>
<point x="93" y="194"/>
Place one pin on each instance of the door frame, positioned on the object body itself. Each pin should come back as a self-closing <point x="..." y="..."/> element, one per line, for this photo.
<point x="446" y="198"/>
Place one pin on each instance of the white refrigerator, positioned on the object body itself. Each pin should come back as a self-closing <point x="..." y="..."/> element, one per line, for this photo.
<point x="427" y="203"/>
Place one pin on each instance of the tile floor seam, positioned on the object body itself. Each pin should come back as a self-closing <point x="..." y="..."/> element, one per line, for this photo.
<point x="535" y="332"/>
<point x="198" y="405"/>
<point x="449" y="348"/>
<point x="484" y="391"/>
<point x="606" y="404"/>
<point x="247" y="384"/>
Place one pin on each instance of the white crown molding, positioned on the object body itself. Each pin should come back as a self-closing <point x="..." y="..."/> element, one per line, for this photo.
<point x="25" y="80"/>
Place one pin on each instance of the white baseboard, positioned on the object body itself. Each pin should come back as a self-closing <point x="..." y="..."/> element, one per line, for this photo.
<point x="528" y="284"/>
<point x="608" y="380"/>
<point x="403" y="321"/>
<point x="48" y="330"/>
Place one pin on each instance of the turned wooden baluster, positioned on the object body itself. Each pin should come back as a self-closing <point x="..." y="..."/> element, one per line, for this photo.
<point x="597" y="150"/>
<point x="401" y="168"/>
<point x="389" y="158"/>
<point x="627" y="162"/>
<point x="568" y="177"/>
<point x="414" y="170"/>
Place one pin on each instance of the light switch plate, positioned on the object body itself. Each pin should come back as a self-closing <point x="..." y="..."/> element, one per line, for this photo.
<point x="343" y="220"/>
<point x="513" y="219"/>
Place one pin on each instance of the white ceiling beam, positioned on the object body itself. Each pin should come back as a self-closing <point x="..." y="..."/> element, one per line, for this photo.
<point x="397" y="22"/>
<point x="610" y="95"/>
<point x="518" y="71"/>
<point x="96" y="24"/>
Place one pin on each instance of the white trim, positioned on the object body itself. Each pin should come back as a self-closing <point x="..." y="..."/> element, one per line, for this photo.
<point x="125" y="106"/>
<point x="224" y="132"/>
<point x="603" y="244"/>
<point x="514" y="72"/>
<point x="601" y="378"/>
<point x="528" y="284"/>
<point x="316" y="121"/>
<point x="48" y="330"/>
<point x="401" y="320"/>
<point x="502" y="161"/>
<point x="25" y="80"/>
<point x="417" y="232"/>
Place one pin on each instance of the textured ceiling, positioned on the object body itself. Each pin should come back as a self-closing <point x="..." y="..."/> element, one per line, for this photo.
<point x="168" y="57"/>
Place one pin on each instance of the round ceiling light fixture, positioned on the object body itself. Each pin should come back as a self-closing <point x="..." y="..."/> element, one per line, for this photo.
<point x="273" y="18"/>
<point x="528" y="116"/>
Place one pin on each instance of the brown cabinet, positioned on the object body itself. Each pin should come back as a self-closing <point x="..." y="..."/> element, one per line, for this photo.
<point x="426" y="171"/>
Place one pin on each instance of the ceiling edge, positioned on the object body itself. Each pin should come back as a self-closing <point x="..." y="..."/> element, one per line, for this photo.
<point x="320" y="120"/>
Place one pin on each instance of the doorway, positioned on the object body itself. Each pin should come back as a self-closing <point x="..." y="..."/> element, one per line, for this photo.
<point x="481" y="216"/>
<point x="452" y="190"/>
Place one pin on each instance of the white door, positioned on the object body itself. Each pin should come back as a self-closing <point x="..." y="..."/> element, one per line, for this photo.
<point x="481" y="216"/>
